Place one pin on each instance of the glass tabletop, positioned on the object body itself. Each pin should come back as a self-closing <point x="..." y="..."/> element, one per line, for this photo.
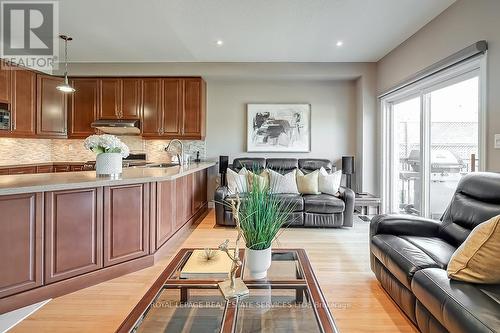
<point x="276" y="310"/>
<point x="285" y="266"/>
<point x="202" y="312"/>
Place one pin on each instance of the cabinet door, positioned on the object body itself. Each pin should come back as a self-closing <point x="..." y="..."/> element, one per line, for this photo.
<point x="5" y="83"/>
<point x="131" y="99"/>
<point x="83" y="108"/>
<point x="199" y="190"/>
<point x="20" y="243"/>
<point x="183" y="203"/>
<point x="194" y="109"/>
<point x="51" y="107"/>
<point x="110" y="98"/>
<point x="165" y="211"/>
<point x="23" y="102"/>
<point x="73" y="233"/>
<point x="152" y="118"/>
<point x="172" y="107"/>
<point x="126" y="223"/>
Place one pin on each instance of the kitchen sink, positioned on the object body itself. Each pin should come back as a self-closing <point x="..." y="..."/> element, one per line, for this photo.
<point x="161" y="165"/>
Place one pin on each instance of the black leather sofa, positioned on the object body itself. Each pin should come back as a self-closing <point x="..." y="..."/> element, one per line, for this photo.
<point x="409" y="256"/>
<point x="320" y="210"/>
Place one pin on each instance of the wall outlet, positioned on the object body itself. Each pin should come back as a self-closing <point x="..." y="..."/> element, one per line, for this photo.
<point x="497" y="141"/>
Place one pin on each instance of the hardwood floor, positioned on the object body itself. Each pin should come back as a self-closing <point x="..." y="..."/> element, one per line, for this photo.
<point x="340" y="258"/>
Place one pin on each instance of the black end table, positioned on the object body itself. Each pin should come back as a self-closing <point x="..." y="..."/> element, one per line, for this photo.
<point x="366" y="200"/>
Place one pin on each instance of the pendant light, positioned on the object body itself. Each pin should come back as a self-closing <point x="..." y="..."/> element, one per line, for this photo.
<point x="65" y="87"/>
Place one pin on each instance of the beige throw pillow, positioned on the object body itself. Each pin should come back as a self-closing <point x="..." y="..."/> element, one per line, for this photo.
<point x="237" y="182"/>
<point x="307" y="184"/>
<point x="329" y="183"/>
<point x="262" y="179"/>
<point x="283" y="183"/>
<point x="477" y="260"/>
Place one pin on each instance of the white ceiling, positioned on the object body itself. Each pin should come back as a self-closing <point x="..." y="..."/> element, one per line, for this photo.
<point x="252" y="30"/>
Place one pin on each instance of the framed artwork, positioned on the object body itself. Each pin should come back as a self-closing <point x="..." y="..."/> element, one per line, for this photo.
<point x="279" y="128"/>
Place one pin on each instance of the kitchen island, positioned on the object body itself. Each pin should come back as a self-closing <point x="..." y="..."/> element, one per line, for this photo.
<point x="65" y="231"/>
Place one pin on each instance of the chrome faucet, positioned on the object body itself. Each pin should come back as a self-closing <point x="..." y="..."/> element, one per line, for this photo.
<point x="180" y="157"/>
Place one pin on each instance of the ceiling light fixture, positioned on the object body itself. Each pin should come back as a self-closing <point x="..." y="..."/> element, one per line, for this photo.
<point x="219" y="42"/>
<point x="65" y="87"/>
<point x="340" y="43"/>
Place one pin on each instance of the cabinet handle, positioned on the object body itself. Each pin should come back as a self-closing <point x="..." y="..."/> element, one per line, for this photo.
<point x="13" y="125"/>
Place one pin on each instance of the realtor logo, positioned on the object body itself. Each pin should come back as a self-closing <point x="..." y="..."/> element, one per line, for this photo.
<point x="29" y="33"/>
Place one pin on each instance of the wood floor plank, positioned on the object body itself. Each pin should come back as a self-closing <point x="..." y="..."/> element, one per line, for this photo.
<point x="340" y="259"/>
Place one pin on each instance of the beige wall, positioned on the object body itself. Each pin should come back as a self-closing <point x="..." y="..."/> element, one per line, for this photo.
<point x="462" y="24"/>
<point x="342" y="110"/>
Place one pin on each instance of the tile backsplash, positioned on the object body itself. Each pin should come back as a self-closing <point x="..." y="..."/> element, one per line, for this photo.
<point x="15" y="151"/>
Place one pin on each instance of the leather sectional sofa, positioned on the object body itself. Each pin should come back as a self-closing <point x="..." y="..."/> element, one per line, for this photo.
<point x="409" y="256"/>
<point x="321" y="210"/>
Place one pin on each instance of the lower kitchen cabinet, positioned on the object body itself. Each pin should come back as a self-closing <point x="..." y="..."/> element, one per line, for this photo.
<point x="199" y="190"/>
<point x="165" y="212"/>
<point x="126" y="223"/>
<point x="73" y="233"/>
<point x="20" y="243"/>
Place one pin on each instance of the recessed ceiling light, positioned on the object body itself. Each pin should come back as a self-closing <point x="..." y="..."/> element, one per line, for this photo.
<point x="340" y="43"/>
<point x="219" y="42"/>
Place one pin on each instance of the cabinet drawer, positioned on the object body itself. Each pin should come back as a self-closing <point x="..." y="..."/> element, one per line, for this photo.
<point x="22" y="170"/>
<point x="44" y="169"/>
<point x="62" y="168"/>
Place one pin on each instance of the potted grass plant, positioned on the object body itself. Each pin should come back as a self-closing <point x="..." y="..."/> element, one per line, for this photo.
<point x="261" y="216"/>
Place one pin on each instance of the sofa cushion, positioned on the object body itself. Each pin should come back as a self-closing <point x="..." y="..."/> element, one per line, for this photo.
<point x="400" y="257"/>
<point x="436" y="248"/>
<point x="458" y="306"/>
<point x="286" y="183"/>
<point x="323" y="203"/>
<point x="308" y="183"/>
<point x="291" y="200"/>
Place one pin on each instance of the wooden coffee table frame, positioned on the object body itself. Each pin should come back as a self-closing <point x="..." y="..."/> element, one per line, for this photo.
<point x="166" y="280"/>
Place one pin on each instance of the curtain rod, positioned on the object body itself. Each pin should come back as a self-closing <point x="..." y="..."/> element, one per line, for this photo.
<point x="470" y="51"/>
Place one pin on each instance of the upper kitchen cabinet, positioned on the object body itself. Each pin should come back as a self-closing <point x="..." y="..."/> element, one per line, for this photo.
<point x="51" y="107"/>
<point x="23" y="103"/>
<point x="194" y="109"/>
<point x="182" y="111"/>
<point x="152" y="117"/>
<point x="5" y="83"/>
<point x="83" y="107"/>
<point x="120" y="98"/>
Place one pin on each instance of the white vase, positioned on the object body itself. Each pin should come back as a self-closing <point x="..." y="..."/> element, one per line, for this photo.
<point x="258" y="262"/>
<point x="108" y="164"/>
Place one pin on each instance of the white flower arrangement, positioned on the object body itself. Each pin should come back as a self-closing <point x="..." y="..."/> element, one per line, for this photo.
<point x="106" y="143"/>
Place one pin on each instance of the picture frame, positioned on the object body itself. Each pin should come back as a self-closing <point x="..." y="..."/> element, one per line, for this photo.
<point x="276" y="128"/>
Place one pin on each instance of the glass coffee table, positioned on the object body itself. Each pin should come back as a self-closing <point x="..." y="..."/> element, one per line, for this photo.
<point x="288" y="300"/>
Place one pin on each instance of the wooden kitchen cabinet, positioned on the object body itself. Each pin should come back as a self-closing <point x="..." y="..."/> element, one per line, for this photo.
<point x="120" y="98"/>
<point x="172" y="108"/>
<point x="73" y="233"/>
<point x="5" y="82"/>
<point x="51" y="107"/>
<point x="193" y="120"/>
<point x="199" y="190"/>
<point x="165" y="211"/>
<point x="152" y="117"/>
<point x="126" y="223"/>
<point x="20" y="243"/>
<point x="22" y="170"/>
<point x="23" y="108"/>
<point x="83" y="107"/>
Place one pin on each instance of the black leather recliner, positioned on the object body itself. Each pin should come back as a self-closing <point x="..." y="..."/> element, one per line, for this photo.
<point x="321" y="210"/>
<point x="409" y="255"/>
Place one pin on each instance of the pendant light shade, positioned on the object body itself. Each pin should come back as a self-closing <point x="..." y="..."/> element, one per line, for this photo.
<point x="65" y="87"/>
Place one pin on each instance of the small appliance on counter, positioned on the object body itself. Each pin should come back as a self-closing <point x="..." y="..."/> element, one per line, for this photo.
<point x="5" y="117"/>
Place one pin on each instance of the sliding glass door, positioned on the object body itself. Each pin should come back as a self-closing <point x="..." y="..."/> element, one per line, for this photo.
<point x="431" y="140"/>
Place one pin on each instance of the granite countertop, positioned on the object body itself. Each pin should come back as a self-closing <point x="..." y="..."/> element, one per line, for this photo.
<point x="27" y="183"/>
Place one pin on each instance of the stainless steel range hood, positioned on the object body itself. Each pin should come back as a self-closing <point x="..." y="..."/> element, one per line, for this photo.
<point x="118" y="126"/>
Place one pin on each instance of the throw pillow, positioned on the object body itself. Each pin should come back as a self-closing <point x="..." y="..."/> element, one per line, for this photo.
<point x="237" y="182"/>
<point x="262" y="179"/>
<point x="329" y="183"/>
<point x="283" y="183"/>
<point x="477" y="260"/>
<point x="307" y="184"/>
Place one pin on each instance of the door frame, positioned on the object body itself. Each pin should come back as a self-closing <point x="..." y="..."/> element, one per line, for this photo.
<point x="472" y="67"/>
